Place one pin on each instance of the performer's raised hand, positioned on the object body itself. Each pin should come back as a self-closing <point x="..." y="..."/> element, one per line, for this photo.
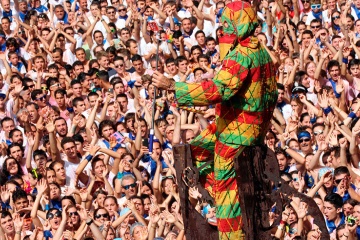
<point x="162" y="82"/>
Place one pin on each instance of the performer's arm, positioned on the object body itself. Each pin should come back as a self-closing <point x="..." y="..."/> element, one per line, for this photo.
<point x="224" y="85"/>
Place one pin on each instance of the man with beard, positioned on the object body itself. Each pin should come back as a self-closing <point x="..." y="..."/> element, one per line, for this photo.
<point x="16" y="151"/>
<point x="61" y="128"/>
<point x="16" y="136"/>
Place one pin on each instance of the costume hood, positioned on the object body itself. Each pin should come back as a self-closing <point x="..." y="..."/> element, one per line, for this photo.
<point x="239" y="22"/>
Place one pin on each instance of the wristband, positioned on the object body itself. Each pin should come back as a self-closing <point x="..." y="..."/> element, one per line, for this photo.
<point x="89" y="157"/>
<point x="5" y="205"/>
<point x="345" y="60"/>
<point x="327" y="110"/>
<point x="47" y="207"/>
<point x="213" y="66"/>
<point x="70" y="109"/>
<point x="119" y="175"/>
<point x="131" y="83"/>
<point x="47" y="234"/>
<point x="282" y="222"/>
<point x="352" y="115"/>
<point x="313" y="120"/>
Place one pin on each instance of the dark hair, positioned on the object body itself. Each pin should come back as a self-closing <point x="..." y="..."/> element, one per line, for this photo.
<point x="36" y="92"/>
<point x="333" y="63"/>
<point x="76" y="100"/>
<point x="136" y="57"/>
<point x="78" y="138"/>
<point x="341" y="170"/>
<point x="14" y="145"/>
<point x="71" y="198"/>
<point x="5" y="170"/>
<point x="18" y="194"/>
<point x="5" y="119"/>
<point x="279" y="151"/>
<point x="334" y="199"/>
<point x="66" y="140"/>
<point x="104" y="124"/>
<point x="11" y="133"/>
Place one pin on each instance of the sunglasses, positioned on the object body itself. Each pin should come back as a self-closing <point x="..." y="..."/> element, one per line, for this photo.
<point x="315" y="6"/>
<point x="337" y="181"/>
<point x="105" y="215"/>
<point x="129" y="186"/>
<point x="316" y="26"/>
<point x="305" y="1"/>
<point x="55" y="85"/>
<point x="52" y="215"/>
<point x="31" y="86"/>
<point x="318" y="133"/>
<point x="120" y="65"/>
<point x="43" y="88"/>
<point x="41" y="15"/>
<point x="335" y="17"/>
<point x="73" y="214"/>
<point x="168" y="177"/>
<point x="122" y="10"/>
<point x="304" y="140"/>
<point x="41" y="98"/>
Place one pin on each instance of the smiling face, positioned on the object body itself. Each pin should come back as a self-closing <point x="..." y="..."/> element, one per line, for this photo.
<point x="7" y="225"/>
<point x="12" y="166"/>
<point x="21" y="203"/>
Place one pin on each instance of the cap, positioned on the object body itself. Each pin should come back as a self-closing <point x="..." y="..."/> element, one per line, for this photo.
<point x="2" y="95"/>
<point x="299" y="88"/>
<point x="323" y="170"/>
<point x="124" y="211"/>
<point x="304" y="134"/>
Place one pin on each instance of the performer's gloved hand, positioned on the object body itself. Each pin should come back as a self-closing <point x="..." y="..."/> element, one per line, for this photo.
<point x="162" y="82"/>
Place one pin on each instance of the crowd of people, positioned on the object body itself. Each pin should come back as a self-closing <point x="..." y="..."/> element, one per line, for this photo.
<point x="76" y="108"/>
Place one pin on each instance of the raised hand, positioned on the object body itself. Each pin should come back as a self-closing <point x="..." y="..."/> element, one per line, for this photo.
<point x="326" y="177"/>
<point x="50" y="127"/>
<point x="94" y="150"/>
<point x="194" y="193"/>
<point x="5" y="194"/>
<point x="41" y="186"/>
<point x="82" y="212"/>
<point x="83" y="194"/>
<point x="168" y="217"/>
<point x="18" y="221"/>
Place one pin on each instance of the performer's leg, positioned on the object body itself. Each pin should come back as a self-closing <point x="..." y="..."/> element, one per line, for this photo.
<point x="202" y="150"/>
<point x="227" y="199"/>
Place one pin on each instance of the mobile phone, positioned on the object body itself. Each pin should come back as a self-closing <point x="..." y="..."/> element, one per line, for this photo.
<point x="119" y="137"/>
<point x="351" y="220"/>
<point x="145" y="142"/>
<point x="111" y="90"/>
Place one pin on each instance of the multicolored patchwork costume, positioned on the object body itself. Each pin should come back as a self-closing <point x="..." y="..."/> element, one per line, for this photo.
<point x="244" y="91"/>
